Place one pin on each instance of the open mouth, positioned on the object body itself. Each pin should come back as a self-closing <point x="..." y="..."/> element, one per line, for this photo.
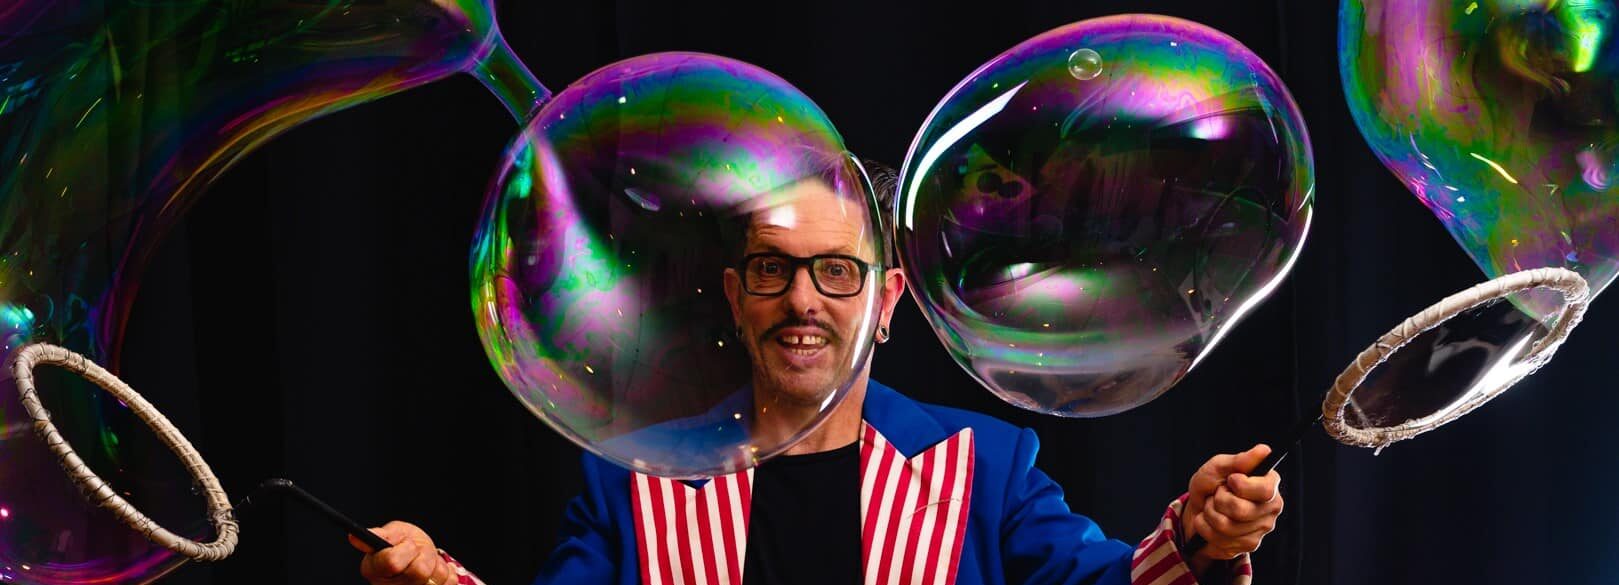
<point x="802" y="344"/>
<point x="802" y="349"/>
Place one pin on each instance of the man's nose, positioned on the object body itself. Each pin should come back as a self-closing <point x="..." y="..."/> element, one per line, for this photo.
<point x="802" y="297"/>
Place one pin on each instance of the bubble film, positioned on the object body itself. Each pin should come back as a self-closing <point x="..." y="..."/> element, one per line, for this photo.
<point x="607" y="274"/>
<point x="114" y="117"/>
<point x="1500" y="117"/>
<point x="1085" y="216"/>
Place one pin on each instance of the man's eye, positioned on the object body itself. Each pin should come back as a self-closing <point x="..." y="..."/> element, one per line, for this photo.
<point x="837" y="270"/>
<point x="770" y="268"/>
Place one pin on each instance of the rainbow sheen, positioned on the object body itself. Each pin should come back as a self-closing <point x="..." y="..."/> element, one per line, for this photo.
<point x="115" y="115"/>
<point x="1085" y="216"/>
<point x="1500" y="116"/>
<point x="599" y="268"/>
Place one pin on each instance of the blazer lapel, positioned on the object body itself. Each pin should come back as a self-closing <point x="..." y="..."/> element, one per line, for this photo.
<point x="913" y="509"/>
<point x="915" y="495"/>
<point x="688" y="535"/>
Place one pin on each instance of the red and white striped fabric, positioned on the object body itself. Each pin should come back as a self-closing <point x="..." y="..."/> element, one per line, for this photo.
<point x="691" y="536"/>
<point x="1158" y="560"/>
<point x="914" y="511"/>
<point x="462" y="576"/>
<point x="913" y="518"/>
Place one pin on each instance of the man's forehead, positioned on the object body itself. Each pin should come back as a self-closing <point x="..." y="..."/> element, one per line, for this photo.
<point x="809" y="218"/>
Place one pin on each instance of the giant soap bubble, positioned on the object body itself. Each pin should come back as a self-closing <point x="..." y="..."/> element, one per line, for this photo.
<point x="625" y="220"/>
<point x="1500" y="116"/>
<point x="115" y="115"/>
<point x="1085" y="216"/>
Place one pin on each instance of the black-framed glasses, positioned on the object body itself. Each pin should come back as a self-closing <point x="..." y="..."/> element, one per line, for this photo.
<point x="834" y="275"/>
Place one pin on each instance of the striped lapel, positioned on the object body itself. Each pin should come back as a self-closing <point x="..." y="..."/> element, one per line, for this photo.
<point x="691" y="536"/>
<point x="914" y="510"/>
<point x="913" y="517"/>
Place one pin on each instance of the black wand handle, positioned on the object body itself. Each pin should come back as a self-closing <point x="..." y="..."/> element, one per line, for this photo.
<point x="1278" y="452"/>
<point x="287" y="488"/>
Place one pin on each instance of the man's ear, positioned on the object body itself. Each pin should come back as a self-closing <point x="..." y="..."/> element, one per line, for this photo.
<point x="733" y="293"/>
<point x="893" y="291"/>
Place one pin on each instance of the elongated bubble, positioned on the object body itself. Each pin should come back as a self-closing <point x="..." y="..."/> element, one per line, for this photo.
<point x="115" y="115"/>
<point x="1500" y="117"/>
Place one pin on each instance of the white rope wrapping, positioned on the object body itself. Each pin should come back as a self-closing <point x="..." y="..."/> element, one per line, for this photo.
<point x="1575" y="292"/>
<point x="97" y="490"/>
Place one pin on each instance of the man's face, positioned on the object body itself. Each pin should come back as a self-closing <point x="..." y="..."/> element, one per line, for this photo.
<point x="802" y="341"/>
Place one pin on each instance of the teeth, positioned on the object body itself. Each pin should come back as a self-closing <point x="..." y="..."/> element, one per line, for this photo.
<point x="812" y="340"/>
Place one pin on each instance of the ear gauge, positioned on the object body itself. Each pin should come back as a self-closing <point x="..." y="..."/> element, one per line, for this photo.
<point x="882" y="334"/>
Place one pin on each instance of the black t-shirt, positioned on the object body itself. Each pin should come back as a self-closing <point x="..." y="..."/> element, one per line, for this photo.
<point x="804" y="525"/>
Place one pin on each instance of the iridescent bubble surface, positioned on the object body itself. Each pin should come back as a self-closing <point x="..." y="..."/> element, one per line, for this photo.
<point x="1085" y="216"/>
<point x="115" y="116"/>
<point x="1499" y="115"/>
<point x="607" y="274"/>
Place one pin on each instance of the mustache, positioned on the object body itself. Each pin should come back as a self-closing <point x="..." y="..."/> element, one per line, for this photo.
<point x="831" y="335"/>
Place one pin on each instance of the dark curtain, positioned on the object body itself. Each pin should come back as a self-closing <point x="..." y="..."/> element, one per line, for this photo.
<point x="311" y="320"/>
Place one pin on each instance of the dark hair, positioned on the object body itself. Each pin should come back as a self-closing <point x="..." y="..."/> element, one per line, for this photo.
<point x="885" y="186"/>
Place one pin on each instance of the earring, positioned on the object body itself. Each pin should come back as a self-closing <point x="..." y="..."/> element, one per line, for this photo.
<point x="882" y="334"/>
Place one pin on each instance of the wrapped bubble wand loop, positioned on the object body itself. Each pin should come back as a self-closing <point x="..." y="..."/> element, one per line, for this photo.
<point x="97" y="490"/>
<point x="1576" y="295"/>
<point x="222" y="515"/>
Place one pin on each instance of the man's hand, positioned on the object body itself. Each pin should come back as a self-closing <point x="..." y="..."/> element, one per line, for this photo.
<point x="1230" y="510"/>
<point x="412" y="560"/>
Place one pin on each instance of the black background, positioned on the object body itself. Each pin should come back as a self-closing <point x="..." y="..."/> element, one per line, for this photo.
<point x="310" y="319"/>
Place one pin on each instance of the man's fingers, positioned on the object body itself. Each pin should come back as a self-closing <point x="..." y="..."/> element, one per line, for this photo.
<point x="1246" y="461"/>
<point x="445" y="574"/>
<point x="1226" y="528"/>
<point x="396" y="532"/>
<point x="1212" y="474"/>
<point x="1233" y="507"/>
<point x="1255" y="489"/>
<point x="1245" y="544"/>
<point x="1243" y="509"/>
<point x="360" y="545"/>
<point x="421" y="568"/>
<point x="1200" y="527"/>
<point x="390" y="563"/>
<point x="1219" y="547"/>
<point x="1226" y="547"/>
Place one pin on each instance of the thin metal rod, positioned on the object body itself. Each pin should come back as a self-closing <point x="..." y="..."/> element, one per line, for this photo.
<point x="284" y="487"/>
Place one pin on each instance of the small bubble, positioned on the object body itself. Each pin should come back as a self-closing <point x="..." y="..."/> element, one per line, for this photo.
<point x="1085" y="64"/>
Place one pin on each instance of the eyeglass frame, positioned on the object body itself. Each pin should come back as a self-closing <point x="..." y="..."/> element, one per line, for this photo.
<point x="808" y="262"/>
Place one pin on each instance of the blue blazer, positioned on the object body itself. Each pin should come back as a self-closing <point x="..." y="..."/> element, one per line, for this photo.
<point x="1018" y="530"/>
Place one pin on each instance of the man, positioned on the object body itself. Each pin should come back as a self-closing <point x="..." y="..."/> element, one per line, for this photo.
<point x="886" y="490"/>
